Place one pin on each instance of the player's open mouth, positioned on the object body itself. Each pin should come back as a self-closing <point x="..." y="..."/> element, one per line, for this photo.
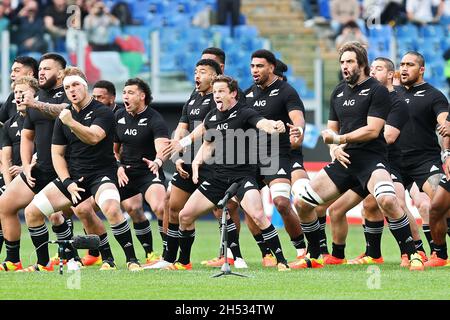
<point x="197" y="84"/>
<point x="255" y="77"/>
<point x="346" y="74"/>
<point x="219" y="104"/>
<point x="126" y="103"/>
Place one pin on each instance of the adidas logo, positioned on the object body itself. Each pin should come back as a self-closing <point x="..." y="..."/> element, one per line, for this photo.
<point x="278" y="250"/>
<point x="434" y="168"/>
<point x="121" y="121"/>
<point x="14" y="125"/>
<point x="127" y="245"/>
<point x="409" y="239"/>
<point x="156" y="180"/>
<point x="393" y="176"/>
<point x="232" y="245"/>
<point x="281" y="171"/>
<point x="206" y="183"/>
<point x="249" y="95"/>
<point x="297" y="165"/>
<point x="380" y="165"/>
<point x="213" y="118"/>
<point x="105" y="178"/>
<point x="248" y="184"/>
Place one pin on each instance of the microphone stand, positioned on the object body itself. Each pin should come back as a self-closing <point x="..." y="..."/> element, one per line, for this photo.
<point x="60" y="255"/>
<point x="225" y="270"/>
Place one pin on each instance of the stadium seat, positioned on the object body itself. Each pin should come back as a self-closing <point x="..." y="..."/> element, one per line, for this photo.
<point x="247" y="31"/>
<point x="223" y="31"/>
<point x="432" y="31"/>
<point x="380" y="31"/>
<point x="408" y="31"/>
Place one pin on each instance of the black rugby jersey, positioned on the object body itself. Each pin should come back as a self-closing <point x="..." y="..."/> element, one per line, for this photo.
<point x="274" y="103"/>
<point x="87" y="159"/>
<point x="351" y="107"/>
<point x="232" y="133"/>
<point x="137" y="135"/>
<point x="397" y="118"/>
<point x="42" y="125"/>
<point x="418" y="137"/>
<point x="13" y="127"/>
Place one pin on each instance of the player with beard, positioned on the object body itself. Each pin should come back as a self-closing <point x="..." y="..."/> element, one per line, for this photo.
<point x="382" y="69"/>
<point x="228" y="117"/>
<point x="86" y="129"/>
<point x="275" y="99"/>
<point x="359" y="107"/>
<point x="428" y="108"/>
<point x="37" y="130"/>
<point x="140" y="133"/>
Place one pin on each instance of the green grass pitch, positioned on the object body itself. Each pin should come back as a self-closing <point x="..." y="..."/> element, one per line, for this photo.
<point x="388" y="281"/>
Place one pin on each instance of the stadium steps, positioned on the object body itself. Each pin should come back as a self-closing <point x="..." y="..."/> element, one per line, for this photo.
<point x="282" y="22"/>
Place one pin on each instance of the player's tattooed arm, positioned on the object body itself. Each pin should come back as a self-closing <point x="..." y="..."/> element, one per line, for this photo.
<point x="52" y="110"/>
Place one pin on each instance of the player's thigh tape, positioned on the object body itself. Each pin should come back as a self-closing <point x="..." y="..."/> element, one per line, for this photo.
<point x="384" y="188"/>
<point x="308" y="195"/>
<point x="41" y="202"/>
<point x="108" y="194"/>
<point x="280" y="190"/>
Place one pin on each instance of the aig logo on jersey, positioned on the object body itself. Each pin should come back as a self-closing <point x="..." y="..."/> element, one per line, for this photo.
<point x="222" y="126"/>
<point x="349" y="103"/>
<point x="195" y="112"/>
<point x="131" y="132"/>
<point x="260" y="103"/>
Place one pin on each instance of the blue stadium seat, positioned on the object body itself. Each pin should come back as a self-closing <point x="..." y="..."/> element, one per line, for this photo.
<point x="248" y="31"/>
<point x="224" y="31"/>
<point x="380" y="31"/>
<point x="432" y="31"/>
<point x="407" y="31"/>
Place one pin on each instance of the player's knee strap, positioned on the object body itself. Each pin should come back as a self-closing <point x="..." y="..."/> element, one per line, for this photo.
<point x="41" y="202"/>
<point x="108" y="194"/>
<point x="298" y="185"/>
<point x="308" y="195"/>
<point x="384" y="188"/>
<point x="280" y="190"/>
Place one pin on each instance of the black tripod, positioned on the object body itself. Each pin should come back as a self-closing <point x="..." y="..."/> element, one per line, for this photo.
<point x="226" y="270"/>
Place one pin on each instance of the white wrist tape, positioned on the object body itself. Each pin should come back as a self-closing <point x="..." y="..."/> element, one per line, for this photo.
<point x="300" y="129"/>
<point x="186" y="141"/>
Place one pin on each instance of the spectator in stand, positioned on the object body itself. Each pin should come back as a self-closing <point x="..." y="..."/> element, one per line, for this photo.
<point x="384" y="12"/>
<point x="444" y="13"/>
<point x="343" y="11"/>
<point x="420" y="12"/>
<point x="56" y="18"/>
<point x="28" y="29"/>
<point x="228" y="6"/>
<point x="351" y="32"/>
<point x="98" y="25"/>
<point x="4" y="21"/>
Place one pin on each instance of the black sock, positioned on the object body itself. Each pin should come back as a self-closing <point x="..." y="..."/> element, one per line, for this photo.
<point x="2" y="239"/>
<point x="313" y="235"/>
<point x="163" y="235"/>
<point x="172" y="242"/>
<point x="401" y="230"/>
<point x="63" y="232"/>
<point x="367" y="241"/>
<point x="39" y="237"/>
<point x="418" y="244"/>
<point x="338" y="250"/>
<point x="92" y="252"/>
<point x="104" y="248"/>
<point x="186" y="239"/>
<point x="299" y="242"/>
<point x="122" y="233"/>
<point x="233" y="239"/>
<point x="448" y="227"/>
<point x="323" y="235"/>
<point x="262" y="245"/>
<point x="441" y="251"/>
<point x="427" y="232"/>
<point x="270" y="236"/>
<point x="12" y="250"/>
<point x="373" y="232"/>
<point x="143" y="232"/>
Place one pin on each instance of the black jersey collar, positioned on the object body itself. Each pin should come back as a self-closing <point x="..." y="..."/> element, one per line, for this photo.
<point x="268" y="86"/>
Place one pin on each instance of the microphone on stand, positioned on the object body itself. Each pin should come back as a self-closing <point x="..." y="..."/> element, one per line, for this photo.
<point x="231" y="191"/>
<point x="91" y="241"/>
